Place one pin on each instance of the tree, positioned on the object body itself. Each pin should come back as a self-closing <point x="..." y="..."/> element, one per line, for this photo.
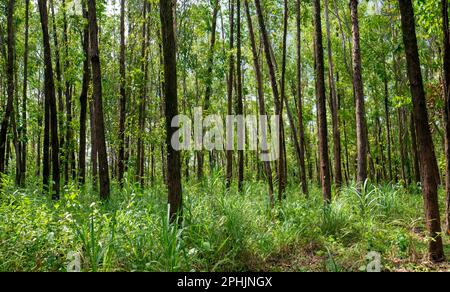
<point x="446" y="42"/>
<point x="321" y="105"/>
<point x="143" y="98"/>
<point x="300" y="101"/>
<point x="69" y="154"/>
<point x="361" y="124"/>
<point x="84" y="100"/>
<point x="276" y="95"/>
<point x="98" y="104"/>
<point x="166" y="9"/>
<point x="334" y="106"/>
<point x="239" y="103"/>
<point x="229" y="154"/>
<point x="51" y="118"/>
<point x="208" y="85"/>
<point x="59" y="82"/>
<point x="428" y="163"/>
<point x="261" y="99"/>
<point x="123" y="97"/>
<point x="10" y="87"/>
<point x="24" y="137"/>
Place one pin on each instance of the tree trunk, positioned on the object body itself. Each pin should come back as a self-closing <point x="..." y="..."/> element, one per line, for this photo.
<point x="361" y="125"/>
<point x="143" y="99"/>
<point x="300" y="102"/>
<point x="321" y="106"/>
<point x="239" y="104"/>
<point x="282" y="161"/>
<point x="69" y="152"/>
<point x="58" y="78"/>
<point x="334" y="107"/>
<point x="388" y="126"/>
<point x="10" y="87"/>
<point x="446" y="33"/>
<point x="123" y="97"/>
<point x="98" y="103"/>
<point x="51" y="114"/>
<point x="261" y="99"/>
<point x="209" y="77"/>
<point x="276" y="95"/>
<point x="428" y="163"/>
<point x="24" y="138"/>
<point x="83" y="101"/>
<point x="230" y="97"/>
<point x="171" y="105"/>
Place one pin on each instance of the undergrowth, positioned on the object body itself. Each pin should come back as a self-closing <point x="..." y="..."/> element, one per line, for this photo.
<point x="221" y="231"/>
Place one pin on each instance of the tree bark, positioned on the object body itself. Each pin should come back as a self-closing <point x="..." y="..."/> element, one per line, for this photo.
<point x="51" y="123"/>
<point x="123" y="97"/>
<point x="171" y="108"/>
<point x="276" y="95"/>
<point x="428" y="163"/>
<point x="334" y="106"/>
<point x="361" y="125"/>
<point x="10" y="86"/>
<point x="388" y="126"/>
<point x="300" y="102"/>
<point x="83" y="101"/>
<point x="143" y="99"/>
<point x="261" y="99"/>
<point x="229" y="153"/>
<point x="68" y="151"/>
<point x="24" y="138"/>
<point x="58" y="78"/>
<point x="98" y="103"/>
<point x="239" y="103"/>
<point x="446" y="45"/>
<point x="321" y="105"/>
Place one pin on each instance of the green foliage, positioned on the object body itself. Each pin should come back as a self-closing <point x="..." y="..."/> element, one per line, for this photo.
<point x="221" y="231"/>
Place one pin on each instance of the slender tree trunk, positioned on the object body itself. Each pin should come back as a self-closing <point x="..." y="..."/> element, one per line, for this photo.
<point x="275" y="91"/>
<point x="239" y="104"/>
<point x="10" y="87"/>
<point x="209" y="75"/>
<point x="321" y="108"/>
<point x="24" y="138"/>
<point x="84" y="101"/>
<point x="58" y="78"/>
<point x="94" y="152"/>
<point x="230" y="96"/>
<point x="68" y="151"/>
<point x="300" y="102"/>
<point x="261" y="99"/>
<point x="428" y="163"/>
<point x="39" y="130"/>
<point x="333" y="106"/>
<point x="171" y="105"/>
<point x="282" y="145"/>
<point x="51" y="115"/>
<point x="388" y="126"/>
<point x="446" y="33"/>
<point x="143" y="99"/>
<point x="123" y="97"/>
<point x="98" y="103"/>
<point x="361" y="125"/>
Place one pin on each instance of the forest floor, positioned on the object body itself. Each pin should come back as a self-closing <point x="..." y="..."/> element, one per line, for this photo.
<point x="222" y="230"/>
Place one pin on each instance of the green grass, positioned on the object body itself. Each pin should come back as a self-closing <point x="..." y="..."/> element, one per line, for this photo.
<point x="222" y="230"/>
